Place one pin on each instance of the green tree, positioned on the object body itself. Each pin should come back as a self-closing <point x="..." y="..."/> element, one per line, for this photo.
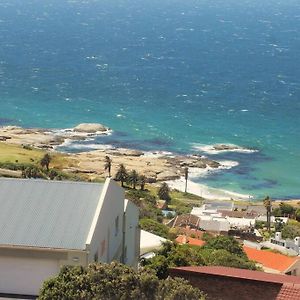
<point x="163" y="192"/>
<point x="107" y="165"/>
<point x="174" y="255"/>
<point x="286" y="209"/>
<point x="112" y="282"/>
<point x="154" y="227"/>
<point x="142" y="182"/>
<point x="290" y="230"/>
<point x="227" y="243"/>
<point x="121" y="174"/>
<point x="133" y="178"/>
<point x="45" y="161"/>
<point x="222" y="257"/>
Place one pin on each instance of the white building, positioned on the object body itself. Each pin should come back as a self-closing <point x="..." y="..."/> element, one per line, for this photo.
<point x="149" y="243"/>
<point x="47" y="224"/>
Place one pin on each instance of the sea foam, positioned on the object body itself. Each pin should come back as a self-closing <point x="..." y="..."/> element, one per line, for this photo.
<point x="210" y="149"/>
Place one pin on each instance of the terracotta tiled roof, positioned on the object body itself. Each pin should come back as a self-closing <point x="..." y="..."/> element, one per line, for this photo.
<point x="269" y="259"/>
<point x="182" y="239"/>
<point x="289" y="291"/>
<point x="239" y="273"/>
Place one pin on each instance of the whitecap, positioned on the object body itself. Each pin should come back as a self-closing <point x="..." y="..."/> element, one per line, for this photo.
<point x="157" y="154"/>
<point x="76" y="146"/>
<point x="210" y="149"/>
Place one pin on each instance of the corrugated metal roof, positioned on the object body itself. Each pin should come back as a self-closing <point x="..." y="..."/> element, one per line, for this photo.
<point x="47" y="214"/>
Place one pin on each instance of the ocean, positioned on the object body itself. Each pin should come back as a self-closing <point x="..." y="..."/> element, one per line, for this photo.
<point x="167" y="75"/>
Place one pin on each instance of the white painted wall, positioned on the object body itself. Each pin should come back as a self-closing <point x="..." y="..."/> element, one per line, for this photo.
<point x="25" y="275"/>
<point x="132" y="234"/>
<point x="105" y="243"/>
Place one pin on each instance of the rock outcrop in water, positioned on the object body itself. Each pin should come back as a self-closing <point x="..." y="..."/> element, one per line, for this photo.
<point x="90" y="128"/>
<point x="162" y="167"/>
<point x="224" y="147"/>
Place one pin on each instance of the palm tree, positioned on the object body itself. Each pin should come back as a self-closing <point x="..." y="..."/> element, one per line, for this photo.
<point x="142" y="181"/>
<point x="107" y="165"/>
<point x="121" y="175"/>
<point x="133" y="178"/>
<point x="186" y="176"/>
<point x="268" y="206"/>
<point x="45" y="161"/>
<point x="163" y="192"/>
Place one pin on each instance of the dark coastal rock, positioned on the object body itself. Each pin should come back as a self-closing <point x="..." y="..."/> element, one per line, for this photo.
<point x="212" y="163"/>
<point x="198" y="163"/>
<point x="125" y="152"/>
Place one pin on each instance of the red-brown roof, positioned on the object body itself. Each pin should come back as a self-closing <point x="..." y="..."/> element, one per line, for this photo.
<point x="238" y="273"/>
<point x="188" y="231"/>
<point x="269" y="259"/>
<point x="186" y="219"/>
<point x="182" y="239"/>
<point x="289" y="291"/>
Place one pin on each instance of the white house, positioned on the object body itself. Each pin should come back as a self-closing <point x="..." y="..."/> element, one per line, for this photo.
<point x="149" y="243"/>
<point x="47" y="224"/>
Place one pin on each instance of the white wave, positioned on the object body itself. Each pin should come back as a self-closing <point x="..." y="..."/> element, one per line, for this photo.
<point x="210" y="149"/>
<point x="157" y="154"/>
<point x="78" y="146"/>
<point x="203" y="172"/>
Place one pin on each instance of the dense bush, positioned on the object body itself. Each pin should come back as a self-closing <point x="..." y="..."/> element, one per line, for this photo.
<point x="218" y="251"/>
<point x="113" y="282"/>
<point x="154" y="227"/>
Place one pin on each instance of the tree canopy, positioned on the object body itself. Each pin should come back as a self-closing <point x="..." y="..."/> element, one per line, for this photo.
<point x="115" y="281"/>
<point x="163" y="192"/>
<point x="218" y="251"/>
<point x="121" y="175"/>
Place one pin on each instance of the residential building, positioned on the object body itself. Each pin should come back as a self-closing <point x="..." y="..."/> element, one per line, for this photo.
<point x="204" y="223"/>
<point x="47" y="224"/>
<point x="285" y="246"/>
<point x="149" y="243"/>
<point x="274" y="262"/>
<point x="231" y="283"/>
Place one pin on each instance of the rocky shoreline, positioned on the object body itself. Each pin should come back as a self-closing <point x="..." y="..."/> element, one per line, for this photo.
<point x="156" y="167"/>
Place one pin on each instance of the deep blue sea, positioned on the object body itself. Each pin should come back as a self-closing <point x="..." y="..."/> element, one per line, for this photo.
<point x="169" y="75"/>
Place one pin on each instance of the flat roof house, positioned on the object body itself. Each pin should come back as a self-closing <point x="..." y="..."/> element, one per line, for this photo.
<point x="47" y="224"/>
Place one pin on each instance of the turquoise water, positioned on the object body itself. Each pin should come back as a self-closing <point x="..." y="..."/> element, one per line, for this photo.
<point x="165" y="75"/>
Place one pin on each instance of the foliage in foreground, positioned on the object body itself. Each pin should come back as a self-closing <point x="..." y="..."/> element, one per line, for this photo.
<point x="219" y="251"/>
<point x="115" y="281"/>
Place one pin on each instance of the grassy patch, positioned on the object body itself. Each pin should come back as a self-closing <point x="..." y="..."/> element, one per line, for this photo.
<point x="16" y="154"/>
